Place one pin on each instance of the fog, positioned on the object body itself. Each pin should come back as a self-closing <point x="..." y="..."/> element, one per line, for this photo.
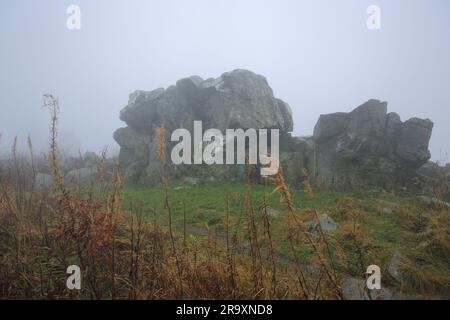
<point x="319" y="56"/>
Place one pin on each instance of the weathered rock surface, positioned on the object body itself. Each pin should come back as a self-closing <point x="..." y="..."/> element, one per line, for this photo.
<point x="237" y="99"/>
<point x="89" y="159"/>
<point x="436" y="171"/>
<point x="87" y="167"/>
<point x="437" y="177"/>
<point x="434" y="201"/>
<point x="356" y="289"/>
<point x="81" y="175"/>
<point x="367" y="146"/>
<point x="271" y="212"/>
<point x="326" y="223"/>
<point x="394" y="268"/>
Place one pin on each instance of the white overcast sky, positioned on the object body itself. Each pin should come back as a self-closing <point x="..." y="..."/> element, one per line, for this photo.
<point x="317" y="55"/>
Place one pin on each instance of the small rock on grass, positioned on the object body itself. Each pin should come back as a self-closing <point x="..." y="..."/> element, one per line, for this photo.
<point x="191" y="180"/>
<point x="394" y="266"/>
<point x="271" y="212"/>
<point x="326" y="222"/>
<point x="356" y="289"/>
<point x="180" y="188"/>
<point x="433" y="201"/>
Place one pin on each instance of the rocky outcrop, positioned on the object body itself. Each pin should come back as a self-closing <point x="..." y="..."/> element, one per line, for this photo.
<point x="87" y="168"/>
<point x="356" y="289"/>
<point x="367" y="146"/>
<point x="237" y="99"/>
<point x="326" y="224"/>
<point x="436" y="171"/>
<point x="81" y="175"/>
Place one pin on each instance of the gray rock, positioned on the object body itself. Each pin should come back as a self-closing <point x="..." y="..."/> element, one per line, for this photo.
<point x="191" y="180"/>
<point x="426" y="200"/>
<point x="330" y="125"/>
<point x="394" y="266"/>
<point x="90" y="159"/>
<point x="271" y="212"/>
<point x="435" y="171"/>
<point x="434" y="201"/>
<point x="413" y="142"/>
<point x="81" y="175"/>
<point x="364" y="147"/>
<point x="369" y="119"/>
<point x="134" y="152"/>
<point x="237" y="99"/>
<point x="393" y="129"/>
<point x="326" y="223"/>
<point x="297" y="153"/>
<point x="72" y="163"/>
<point x="356" y="289"/>
<point x="369" y="147"/>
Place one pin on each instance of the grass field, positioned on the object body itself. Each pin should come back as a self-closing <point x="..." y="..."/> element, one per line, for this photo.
<point x="388" y="223"/>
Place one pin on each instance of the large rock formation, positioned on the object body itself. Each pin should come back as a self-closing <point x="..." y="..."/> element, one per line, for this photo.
<point x="237" y="99"/>
<point x="369" y="146"/>
<point x="365" y="146"/>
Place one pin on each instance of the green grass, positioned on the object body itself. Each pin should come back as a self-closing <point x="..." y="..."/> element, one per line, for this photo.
<point x="205" y="204"/>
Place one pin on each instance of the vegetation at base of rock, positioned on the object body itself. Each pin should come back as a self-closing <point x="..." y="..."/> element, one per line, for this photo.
<point x="197" y="240"/>
<point x="401" y="228"/>
<point x="120" y="238"/>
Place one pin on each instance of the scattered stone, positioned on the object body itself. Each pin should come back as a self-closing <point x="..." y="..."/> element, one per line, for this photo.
<point x="426" y="200"/>
<point x="394" y="266"/>
<point x="356" y="289"/>
<point x="326" y="223"/>
<point x="81" y="175"/>
<point x="384" y="206"/>
<point x="271" y="212"/>
<point x="434" y="201"/>
<point x="435" y="171"/>
<point x="89" y="159"/>
<point x="191" y="180"/>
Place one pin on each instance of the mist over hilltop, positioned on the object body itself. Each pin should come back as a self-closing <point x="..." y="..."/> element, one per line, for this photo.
<point x="319" y="57"/>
